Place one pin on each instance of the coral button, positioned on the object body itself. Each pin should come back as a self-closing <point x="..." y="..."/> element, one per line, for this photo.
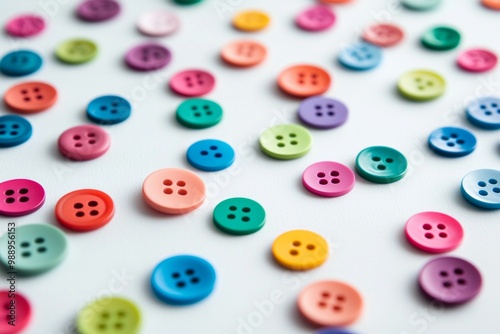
<point x="148" y="57"/>
<point x="84" y="142"/>
<point x="316" y="18"/>
<point x="328" y="179"/>
<point x="304" y="80"/>
<point x="25" y="26"/>
<point x="98" y="10"/>
<point x="192" y="83"/>
<point x="158" y="23"/>
<point x="19" y="197"/>
<point x="491" y="4"/>
<point x="300" y="250"/>
<point x="244" y="53"/>
<point x="383" y="35"/>
<point x="15" y="308"/>
<point x="30" y="97"/>
<point x="251" y="20"/>
<point x="477" y="60"/>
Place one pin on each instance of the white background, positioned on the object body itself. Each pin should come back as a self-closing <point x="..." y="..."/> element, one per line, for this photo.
<point x="364" y="228"/>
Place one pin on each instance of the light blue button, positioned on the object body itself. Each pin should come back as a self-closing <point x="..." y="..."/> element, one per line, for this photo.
<point x="484" y="113"/>
<point x="482" y="188"/>
<point x="452" y="142"/>
<point x="19" y="63"/>
<point x="14" y="130"/>
<point x="210" y="155"/>
<point x="108" y="110"/>
<point x="360" y="56"/>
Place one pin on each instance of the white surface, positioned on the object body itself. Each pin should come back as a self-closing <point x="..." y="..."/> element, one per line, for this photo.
<point x="364" y="228"/>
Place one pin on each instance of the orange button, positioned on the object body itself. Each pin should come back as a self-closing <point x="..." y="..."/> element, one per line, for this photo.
<point x="244" y="53"/>
<point x="492" y="4"/>
<point x="304" y="80"/>
<point x="30" y="97"/>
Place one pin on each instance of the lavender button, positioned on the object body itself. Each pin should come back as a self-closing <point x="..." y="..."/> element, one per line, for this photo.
<point x="322" y="112"/>
<point x="98" y="10"/>
<point x="147" y="57"/>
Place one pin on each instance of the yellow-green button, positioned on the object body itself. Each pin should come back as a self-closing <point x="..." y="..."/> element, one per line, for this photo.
<point x="381" y="164"/>
<point x="76" y="51"/>
<point x="286" y="142"/>
<point x="421" y="85"/>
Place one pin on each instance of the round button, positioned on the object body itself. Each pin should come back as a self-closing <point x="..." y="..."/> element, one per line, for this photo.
<point x="30" y="97"/>
<point x="187" y="2"/>
<point x="183" y="280"/>
<point x="335" y="1"/>
<point x="76" y="51"/>
<point x="434" y="232"/>
<point x="148" y="57"/>
<point x="85" y="210"/>
<point x="19" y="63"/>
<point x="477" y="60"/>
<point x="252" y="20"/>
<point x="40" y="247"/>
<point x="332" y="330"/>
<point x="421" y="4"/>
<point x="84" y="142"/>
<point x="111" y="315"/>
<point x="192" y="83"/>
<point x="452" y="142"/>
<point x="25" y="26"/>
<point x="173" y="191"/>
<point x="158" y="23"/>
<point x="330" y="303"/>
<point x="98" y="10"/>
<point x="441" y="38"/>
<point x="300" y="250"/>
<point x="285" y="142"/>
<point x="199" y="113"/>
<point x="383" y="35"/>
<point x="244" y="53"/>
<point x="450" y="280"/>
<point x="316" y="18"/>
<point x="482" y="188"/>
<point x="15" y="308"/>
<point x="421" y="85"/>
<point x="381" y="164"/>
<point x="304" y="80"/>
<point x="14" y="130"/>
<point x="108" y="109"/>
<point x="210" y="155"/>
<point x="491" y="4"/>
<point x="323" y="112"/>
<point x="19" y="197"/>
<point x="239" y="216"/>
<point x="484" y="113"/>
<point x="360" y="56"/>
<point x="328" y="179"/>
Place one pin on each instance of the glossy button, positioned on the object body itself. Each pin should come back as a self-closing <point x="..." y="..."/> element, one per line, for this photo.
<point x="316" y="18"/>
<point x="14" y="309"/>
<point x="452" y="142"/>
<point x="76" y="51"/>
<point x="300" y="250"/>
<point x="84" y="142"/>
<point x="381" y="164"/>
<point x="98" y="10"/>
<point x="148" y="57"/>
<point x="19" y="197"/>
<point x="19" y="63"/>
<point x="477" y="60"/>
<point x="183" y="280"/>
<point x="441" y="38"/>
<point x="25" y="26"/>
<point x="450" y="280"/>
<point x="328" y="179"/>
<point x="330" y="303"/>
<point x="239" y="216"/>
<point x="421" y="85"/>
<point x="421" y="4"/>
<point x="484" y="113"/>
<point x="482" y="188"/>
<point x="30" y="97"/>
<point x="210" y="155"/>
<point x="187" y="2"/>
<point x="199" y="113"/>
<point x="383" y="35"/>
<point x="360" y="56"/>
<point x="244" y="53"/>
<point x="108" y="109"/>
<point x="14" y="130"/>
<point x="304" y="80"/>
<point x="158" y="23"/>
<point x="252" y="20"/>
<point x="323" y="112"/>
<point x="285" y="142"/>
<point x="192" y="83"/>
<point x="491" y="4"/>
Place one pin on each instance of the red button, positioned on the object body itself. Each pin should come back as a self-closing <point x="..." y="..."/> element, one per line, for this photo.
<point x="304" y="80"/>
<point x="30" y="97"/>
<point x="16" y="308"/>
<point x="383" y="35"/>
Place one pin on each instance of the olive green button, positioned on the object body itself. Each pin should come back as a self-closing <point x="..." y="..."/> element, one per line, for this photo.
<point x="381" y="164"/>
<point x="199" y="113"/>
<point x="421" y="4"/>
<point x="239" y="216"/>
<point x="76" y="51"/>
<point x="441" y="38"/>
<point x="110" y="315"/>
<point x="421" y="85"/>
<point x="286" y="142"/>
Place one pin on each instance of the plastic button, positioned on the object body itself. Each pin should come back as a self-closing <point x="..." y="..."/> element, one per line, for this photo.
<point x="421" y="85"/>
<point x="210" y="155"/>
<point x="452" y="142"/>
<point x="14" y="130"/>
<point x="441" y="38"/>
<point x="383" y="35"/>
<point x="84" y="142"/>
<point x="199" y="113"/>
<point x="491" y="4"/>
<point x="183" y="280"/>
<point x="316" y="18"/>
<point x="300" y="250"/>
<point x="76" y="51"/>
<point x="450" y="280"/>
<point x="285" y="142"/>
<point x="304" y="80"/>
<point x="158" y="23"/>
<point x="239" y="216"/>
<point x="482" y="188"/>
<point x="148" y="57"/>
<point x="108" y="109"/>
<point x="192" y="83"/>
<point x="328" y="179"/>
<point x="485" y="113"/>
<point x="19" y="197"/>
<point x="323" y="112"/>
<point x="187" y="2"/>
<point x="332" y="330"/>
<point x="30" y="97"/>
<point x="16" y="309"/>
<point x="477" y="60"/>
<point x="244" y="53"/>
<point x="421" y="4"/>
<point x="252" y="20"/>
<point x="360" y="56"/>
<point x="19" y="63"/>
<point x="25" y="26"/>
<point x="98" y="10"/>
<point x="381" y="164"/>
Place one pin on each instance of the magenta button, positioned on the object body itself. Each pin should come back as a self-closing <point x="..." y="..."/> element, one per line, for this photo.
<point x="477" y="60"/>
<point x="316" y="18"/>
<point x="25" y="26"/>
<point x="98" y="10"/>
<point x="19" y="197"/>
<point x="192" y="83"/>
<point x="148" y="57"/>
<point x="84" y="142"/>
<point x="328" y="179"/>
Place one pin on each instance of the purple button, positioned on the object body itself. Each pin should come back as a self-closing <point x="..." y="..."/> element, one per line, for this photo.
<point x="322" y="112"/>
<point x="450" y="280"/>
<point x="147" y="57"/>
<point x="98" y="10"/>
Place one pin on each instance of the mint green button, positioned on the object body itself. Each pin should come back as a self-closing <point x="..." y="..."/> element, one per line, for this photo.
<point x="381" y="164"/>
<point x="441" y="38"/>
<point x="199" y="113"/>
<point x="76" y="51"/>
<point x="239" y="216"/>
<point x="421" y="85"/>
<point x="285" y="142"/>
<point x="421" y="4"/>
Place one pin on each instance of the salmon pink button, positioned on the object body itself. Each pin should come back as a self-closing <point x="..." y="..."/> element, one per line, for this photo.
<point x="244" y="53"/>
<point x="25" y="26"/>
<point x="30" y="97"/>
<point x="304" y="80"/>
<point x="383" y="35"/>
<point x="328" y="179"/>
<point x="477" y="60"/>
<point x="316" y="18"/>
<point x="84" y="142"/>
<point x="192" y="83"/>
<point x="19" y="197"/>
<point x="13" y="309"/>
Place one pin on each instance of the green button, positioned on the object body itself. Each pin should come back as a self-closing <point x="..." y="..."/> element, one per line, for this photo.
<point x="111" y="315"/>
<point x="421" y="85"/>
<point x="421" y="4"/>
<point x="199" y="113"/>
<point x="286" y="142"/>
<point x="76" y="51"/>
<point x="381" y="164"/>
<point x="38" y="248"/>
<point x="441" y="38"/>
<point x="187" y="2"/>
<point x="239" y="216"/>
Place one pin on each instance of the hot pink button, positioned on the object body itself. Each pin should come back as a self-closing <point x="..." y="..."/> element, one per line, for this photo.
<point x="434" y="232"/>
<point x="17" y="309"/>
<point x="19" y="197"/>
<point x="84" y="142"/>
<point x="316" y="18"/>
<point x="192" y="83"/>
<point x="25" y="26"/>
<point x="328" y="179"/>
<point x="477" y="60"/>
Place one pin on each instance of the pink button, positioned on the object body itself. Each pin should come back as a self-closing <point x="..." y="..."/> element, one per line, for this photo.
<point x="158" y="23"/>
<point x="14" y="307"/>
<point x="477" y="60"/>
<point x="328" y="179"/>
<point x="434" y="232"/>
<point x="19" y="197"/>
<point x="316" y="18"/>
<point x="84" y="142"/>
<point x="25" y="26"/>
<point x="192" y="83"/>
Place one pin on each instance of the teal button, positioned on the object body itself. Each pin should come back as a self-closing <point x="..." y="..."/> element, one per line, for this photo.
<point x="381" y="164"/>
<point x="199" y="113"/>
<point x="239" y="216"/>
<point x="421" y="4"/>
<point x="441" y="38"/>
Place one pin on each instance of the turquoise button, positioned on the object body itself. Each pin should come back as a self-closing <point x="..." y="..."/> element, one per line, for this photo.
<point x="199" y="113"/>
<point x="381" y="164"/>
<point x="19" y="63"/>
<point x="239" y="216"/>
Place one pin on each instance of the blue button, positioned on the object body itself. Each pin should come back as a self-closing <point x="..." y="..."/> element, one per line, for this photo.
<point x="485" y="113"/>
<point x="333" y="331"/>
<point x="360" y="56"/>
<point x="109" y="109"/>
<point x="19" y="63"/>
<point x="452" y="142"/>
<point x="183" y="280"/>
<point x="482" y="188"/>
<point x="14" y="130"/>
<point x="210" y="155"/>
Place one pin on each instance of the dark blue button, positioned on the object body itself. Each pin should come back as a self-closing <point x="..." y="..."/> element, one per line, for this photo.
<point x="183" y="280"/>
<point x="14" y="130"/>
<point x="333" y="331"/>
<point x="108" y="110"/>
<point x="482" y="188"/>
<point x="210" y="155"/>
<point x="19" y="63"/>
<point x="360" y="56"/>
<point x="452" y="142"/>
<point x="485" y="113"/>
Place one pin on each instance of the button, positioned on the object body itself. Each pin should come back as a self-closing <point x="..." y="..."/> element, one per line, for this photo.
<point x="148" y="57"/>
<point x="300" y="250"/>
<point x="19" y="197"/>
<point x="19" y="63"/>
<point x="158" y="23"/>
<point x="187" y="2"/>
<point x="484" y="113"/>
<point x="239" y="216"/>
<point x="381" y="164"/>
<point x="335" y="1"/>
<point x="421" y="85"/>
<point x="328" y="179"/>
<point x="252" y="20"/>
<point x="441" y="38"/>
<point x="199" y="113"/>
<point x="452" y="142"/>
<point x="108" y="109"/>
<point x="244" y="53"/>
<point x="183" y="280"/>
<point x="17" y="309"/>
<point x="383" y="35"/>
<point x="491" y="4"/>
<point x="360" y="56"/>
<point x="285" y="142"/>
<point x="30" y="97"/>
<point x="477" y="60"/>
<point x="76" y="51"/>
<point x="330" y="303"/>
<point x="84" y="142"/>
<point x="110" y="315"/>
<point x="332" y="330"/>
<point x="98" y="10"/>
<point x="323" y="112"/>
<point x="210" y="155"/>
<point x="421" y="4"/>
<point x="14" y="130"/>
<point x="173" y="190"/>
<point x="39" y="248"/>
<point x="192" y="83"/>
<point x="85" y="210"/>
<point x="434" y="232"/>
<point x="450" y="280"/>
<point x="316" y="18"/>
<point x="304" y="80"/>
<point x="482" y="188"/>
<point x="25" y="26"/>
